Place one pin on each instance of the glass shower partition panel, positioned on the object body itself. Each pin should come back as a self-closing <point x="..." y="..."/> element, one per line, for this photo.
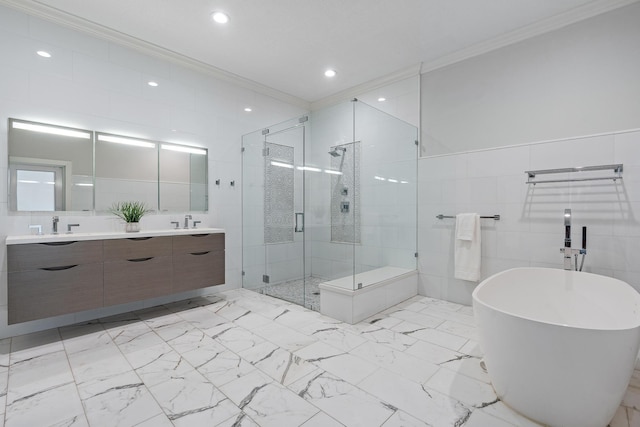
<point x="388" y="185"/>
<point x="273" y="212"/>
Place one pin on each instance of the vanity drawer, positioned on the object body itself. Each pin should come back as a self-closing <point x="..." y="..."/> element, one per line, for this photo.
<point x="53" y="254"/>
<point x="198" y="243"/>
<point x="199" y="270"/>
<point x="142" y="278"/>
<point x="39" y="293"/>
<point x="136" y="247"/>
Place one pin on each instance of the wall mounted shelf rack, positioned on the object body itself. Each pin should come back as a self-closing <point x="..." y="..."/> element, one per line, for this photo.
<point x="617" y="169"/>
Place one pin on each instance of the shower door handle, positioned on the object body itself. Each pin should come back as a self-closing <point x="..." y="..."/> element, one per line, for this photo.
<point x="299" y="222"/>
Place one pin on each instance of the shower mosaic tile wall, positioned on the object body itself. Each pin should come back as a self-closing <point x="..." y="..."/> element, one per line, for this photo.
<point x="345" y="194"/>
<point x="278" y="193"/>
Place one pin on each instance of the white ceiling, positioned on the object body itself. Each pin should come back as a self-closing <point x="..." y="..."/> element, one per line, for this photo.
<point x="287" y="44"/>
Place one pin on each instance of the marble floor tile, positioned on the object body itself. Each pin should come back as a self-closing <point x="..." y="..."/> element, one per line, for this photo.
<point x="283" y="336"/>
<point x="98" y="363"/>
<point x="393" y="339"/>
<point x="225" y="367"/>
<point x="268" y="403"/>
<point x="469" y="391"/>
<point x="122" y="400"/>
<point x="59" y="405"/>
<point x="322" y="420"/>
<point x="281" y="365"/>
<point x="36" y="344"/>
<point x="342" y="401"/>
<point x="426" y="404"/>
<point x="240" y="420"/>
<point x="341" y="364"/>
<point x="469" y="366"/>
<point x="409" y="366"/>
<point x="202" y="318"/>
<point x="459" y="329"/>
<point x="503" y="412"/>
<point x="402" y="419"/>
<point x="160" y="420"/>
<point x="28" y="377"/>
<point x="135" y="336"/>
<point x="157" y="364"/>
<point x="424" y="320"/>
<point x="234" y="337"/>
<point x="336" y="336"/>
<point x="84" y="337"/>
<point x="174" y="330"/>
<point x="434" y="336"/>
<point x="191" y="400"/>
<point x="433" y="353"/>
<point x="482" y="419"/>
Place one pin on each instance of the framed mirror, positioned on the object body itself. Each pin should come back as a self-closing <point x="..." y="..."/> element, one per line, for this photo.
<point x="50" y="167"/>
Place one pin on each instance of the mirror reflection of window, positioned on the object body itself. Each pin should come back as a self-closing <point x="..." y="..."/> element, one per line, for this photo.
<point x="35" y="190"/>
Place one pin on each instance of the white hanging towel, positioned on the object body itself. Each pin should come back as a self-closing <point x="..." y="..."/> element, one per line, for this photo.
<point x="467" y="247"/>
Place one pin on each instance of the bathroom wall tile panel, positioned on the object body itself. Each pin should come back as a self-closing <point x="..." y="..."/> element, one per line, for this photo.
<point x="66" y="96"/>
<point x="13" y="21"/>
<point x="627" y="148"/>
<point x="128" y="108"/>
<point x="46" y="31"/>
<point x="500" y="163"/>
<point x="129" y="58"/>
<point x="14" y="84"/>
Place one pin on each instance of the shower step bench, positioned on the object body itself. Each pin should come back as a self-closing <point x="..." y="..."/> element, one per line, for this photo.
<point x="381" y="288"/>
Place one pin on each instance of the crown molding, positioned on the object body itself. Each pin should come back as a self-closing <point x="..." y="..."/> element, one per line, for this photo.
<point x="74" y="22"/>
<point x="371" y="85"/>
<point x="555" y="22"/>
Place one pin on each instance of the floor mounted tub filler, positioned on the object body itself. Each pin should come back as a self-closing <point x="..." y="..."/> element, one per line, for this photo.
<point x="559" y="346"/>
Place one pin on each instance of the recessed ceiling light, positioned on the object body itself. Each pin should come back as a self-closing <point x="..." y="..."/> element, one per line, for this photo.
<point x="248" y="109"/>
<point x="330" y="73"/>
<point x="44" y="54"/>
<point x="382" y="99"/>
<point x="220" y="17"/>
<point x="152" y="84"/>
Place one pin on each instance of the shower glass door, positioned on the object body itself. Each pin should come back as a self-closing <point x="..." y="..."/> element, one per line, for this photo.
<point x="273" y="212"/>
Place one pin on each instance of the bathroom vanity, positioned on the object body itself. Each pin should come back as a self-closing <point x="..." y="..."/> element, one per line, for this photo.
<point x="53" y="275"/>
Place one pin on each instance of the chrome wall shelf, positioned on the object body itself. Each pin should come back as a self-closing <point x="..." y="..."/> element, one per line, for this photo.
<point x="617" y="169"/>
<point x="496" y="217"/>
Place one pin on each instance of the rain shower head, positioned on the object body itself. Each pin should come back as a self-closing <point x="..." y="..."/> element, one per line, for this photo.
<point x="335" y="151"/>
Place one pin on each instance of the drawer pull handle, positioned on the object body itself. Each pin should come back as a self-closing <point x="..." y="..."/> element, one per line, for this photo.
<point x="198" y="235"/>
<point x="59" y="243"/>
<point x="140" y="259"/>
<point x="66" y="267"/>
<point x="200" y="253"/>
<point x="139" y="238"/>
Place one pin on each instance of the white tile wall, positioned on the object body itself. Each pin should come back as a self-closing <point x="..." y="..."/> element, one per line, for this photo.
<point x="530" y="231"/>
<point x="93" y="84"/>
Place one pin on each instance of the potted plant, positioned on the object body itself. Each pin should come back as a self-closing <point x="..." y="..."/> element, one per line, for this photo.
<point x="131" y="213"/>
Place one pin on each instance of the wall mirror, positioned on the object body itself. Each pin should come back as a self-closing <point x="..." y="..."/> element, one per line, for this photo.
<point x="51" y="168"/>
<point x="126" y="169"/>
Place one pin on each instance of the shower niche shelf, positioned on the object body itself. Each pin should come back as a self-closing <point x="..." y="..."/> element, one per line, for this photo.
<point x="616" y="168"/>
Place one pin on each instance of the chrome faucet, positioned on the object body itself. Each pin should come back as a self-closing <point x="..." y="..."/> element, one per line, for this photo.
<point x="567" y="251"/>
<point x="69" y="227"/>
<point x="54" y="228"/>
<point x="186" y="221"/>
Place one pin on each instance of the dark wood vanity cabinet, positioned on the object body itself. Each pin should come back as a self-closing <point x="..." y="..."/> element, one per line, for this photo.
<point x="51" y="279"/>
<point x="198" y="261"/>
<point x="136" y="269"/>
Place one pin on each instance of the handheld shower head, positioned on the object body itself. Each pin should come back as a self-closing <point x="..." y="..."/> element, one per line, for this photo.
<point x="335" y="151"/>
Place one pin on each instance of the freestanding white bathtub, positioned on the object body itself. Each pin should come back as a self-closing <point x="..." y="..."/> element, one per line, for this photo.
<point x="559" y="346"/>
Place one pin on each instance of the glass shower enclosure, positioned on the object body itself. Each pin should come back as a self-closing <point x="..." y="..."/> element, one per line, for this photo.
<point x="328" y="198"/>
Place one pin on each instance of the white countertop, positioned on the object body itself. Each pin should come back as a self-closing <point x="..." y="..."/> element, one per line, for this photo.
<point x="65" y="237"/>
